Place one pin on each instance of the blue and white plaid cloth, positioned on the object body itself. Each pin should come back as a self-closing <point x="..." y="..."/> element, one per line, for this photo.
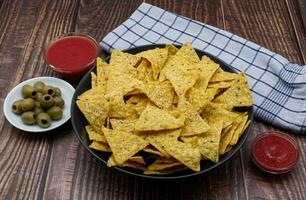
<point x="279" y="87"/>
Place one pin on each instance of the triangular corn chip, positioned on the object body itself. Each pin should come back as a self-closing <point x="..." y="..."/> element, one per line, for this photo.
<point x="123" y="144"/>
<point x="100" y="146"/>
<point x="154" y="119"/>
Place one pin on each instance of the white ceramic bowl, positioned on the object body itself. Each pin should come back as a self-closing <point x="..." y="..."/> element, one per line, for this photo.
<point x="15" y="94"/>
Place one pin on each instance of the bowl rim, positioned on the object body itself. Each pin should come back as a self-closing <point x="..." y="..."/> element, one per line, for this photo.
<point x="229" y="154"/>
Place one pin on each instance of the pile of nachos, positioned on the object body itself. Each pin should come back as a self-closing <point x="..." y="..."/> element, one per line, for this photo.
<point x="164" y="110"/>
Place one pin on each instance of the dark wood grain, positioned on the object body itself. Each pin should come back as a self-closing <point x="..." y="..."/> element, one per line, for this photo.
<point x="56" y="166"/>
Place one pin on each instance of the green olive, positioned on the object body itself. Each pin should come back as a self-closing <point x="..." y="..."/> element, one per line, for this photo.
<point x="58" y="91"/>
<point x="27" y="104"/>
<point x="58" y="101"/>
<point x="28" y="91"/>
<point x="28" y="117"/>
<point x="16" y="107"/>
<point x="39" y="95"/>
<point x="38" y="110"/>
<point x="55" y="112"/>
<point x="46" y="101"/>
<point x="43" y="120"/>
<point x="48" y="89"/>
<point x="39" y="86"/>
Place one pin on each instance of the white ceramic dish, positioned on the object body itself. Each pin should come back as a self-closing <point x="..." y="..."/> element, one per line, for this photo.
<point x="15" y="94"/>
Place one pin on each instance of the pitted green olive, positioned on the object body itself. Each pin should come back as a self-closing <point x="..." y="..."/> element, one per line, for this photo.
<point x="58" y="101"/>
<point x="39" y="86"/>
<point x="28" y="91"/>
<point x="38" y="110"/>
<point x="46" y="101"/>
<point x="58" y="92"/>
<point x="27" y="104"/>
<point x="48" y="89"/>
<point x="55" y="112"/>
<point x="39" y="95"/>
<point x="43" y="120"/>
<point x="16" y="107"/>
<point x="28" y="117"/>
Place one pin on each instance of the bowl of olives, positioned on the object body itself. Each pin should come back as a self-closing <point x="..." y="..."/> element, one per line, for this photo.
<point x="39" y="104"/>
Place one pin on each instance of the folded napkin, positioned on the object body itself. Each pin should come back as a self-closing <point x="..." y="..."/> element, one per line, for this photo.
<point x="278" y="86"/>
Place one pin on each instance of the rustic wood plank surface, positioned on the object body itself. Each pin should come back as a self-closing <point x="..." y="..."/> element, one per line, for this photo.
<point x="56" y="166"/>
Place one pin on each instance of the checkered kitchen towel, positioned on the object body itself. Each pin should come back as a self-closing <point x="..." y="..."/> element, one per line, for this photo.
<point x="279" y="87"/>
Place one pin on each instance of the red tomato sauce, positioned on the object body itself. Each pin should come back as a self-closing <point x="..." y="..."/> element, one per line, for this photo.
<point x="274" y="152"/>
<point x="71" y="54"/>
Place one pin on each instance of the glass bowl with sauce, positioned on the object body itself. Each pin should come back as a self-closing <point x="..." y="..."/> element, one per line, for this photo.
<point x="71" y="54"/>
<point x="274" y="152"/>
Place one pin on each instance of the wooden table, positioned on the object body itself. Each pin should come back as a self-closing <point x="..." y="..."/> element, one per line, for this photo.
<point x="55" y="166"/>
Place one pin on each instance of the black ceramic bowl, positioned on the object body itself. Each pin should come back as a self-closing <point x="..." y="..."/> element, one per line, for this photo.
<point x="79" y="122"/>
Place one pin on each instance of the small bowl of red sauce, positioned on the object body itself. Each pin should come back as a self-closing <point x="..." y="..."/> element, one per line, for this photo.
<point x="71" y="54"/>
<point x="275" y="152"/>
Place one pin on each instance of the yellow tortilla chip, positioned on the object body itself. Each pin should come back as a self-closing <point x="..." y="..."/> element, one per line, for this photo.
<point x="209" y="144"/>
<point x="123" y="59"/>
<point x="138" y="103"/>
<point x="171" y="49"/>
<point x="157" y="58"/>
<point x="242" y="121"/>
<point x="224" y="142"/>
<point x="94" y="135"/>
<point x="145" y="71"/>
<point x="151" y="149"/>
<point x="238" y="95"/>
<point x="95" y="111"/>
<point x="123" y="144"/>
<point x="160" y="93"/>
<point x="200" y="98"/>
<point x="181" y="74"/>
<point x="221" y="84"/>
<point x="187" y="52"/>
<point x="102" y="75"/>
<point x="221" y="75"/>
<point x="119" y="109"/>
<point x="157" y="165"/>
<point x="194" y="124"/>
<point x="95" y="93"/>
<point x="245" y="127"/>
<point x="123" y="124"/>
<point x="185" y="153"/>
<point x="100" y="146"/>
<point x="154" y="119"/>
<point x="93" y="79"/>
<point x="129" y="163"/>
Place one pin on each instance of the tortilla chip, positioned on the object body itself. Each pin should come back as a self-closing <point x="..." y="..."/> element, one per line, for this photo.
<point x="221" y="75"/>
<point x="157" y="58"/>
<point x="123" y="144"/>
<point x="94" y="135"/>
<point x="228" y="148"/>
<point x="200" y="98"/>
<point x="123" y="59"/>
<point x="245" y="127"/>
<point x="157" y="165"/>
<point x="100" y="146"/>
<point x="243" y="120"/>
<point x="194" y="124"/>
<point x="95" y="111"/>
<point x="171" y="49"/>
<point x="225" y="141"/>
<point x="238" y="95"/>
<point x="102" y="75"/>
<point x="123" y="124"/>
<point x="181" y="74"/>
<point x="95" y="93"/>
<point x="184" y="152"/>
<point x="209" y="144"/>
<point x="93" y="79"/>
<point x="138" y="103"/>
<point x="129" y="163"/>
<point x="145" y="71"/>
<point x="160" y="93"/>
<point x="154" y="119"/>
<point x="187" y="52"/>
<point x="118" y="109"/>
<point x="221" y="84"/>
<point x="151" y="149"/>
